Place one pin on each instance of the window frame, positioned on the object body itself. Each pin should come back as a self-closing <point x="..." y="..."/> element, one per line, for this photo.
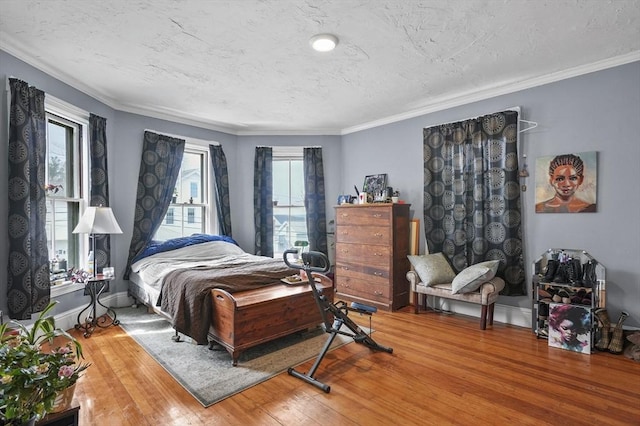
<point x="209" y="220"/>
<point x="66" y="113"/>
<point x="288" y="153"/>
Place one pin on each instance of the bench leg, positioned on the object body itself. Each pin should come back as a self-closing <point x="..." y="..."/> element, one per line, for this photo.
<point x="483" y="317"/>
<point x="491" y="308"/>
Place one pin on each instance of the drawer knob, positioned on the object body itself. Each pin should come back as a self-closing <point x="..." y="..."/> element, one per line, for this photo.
<point x="377" y="254"/>
<point x="377" y="215"/>
<point x="377" y="293"/>
<point x="378" y="234"/>
<point x="379" y="274"/>
<point x="346" y="268"/>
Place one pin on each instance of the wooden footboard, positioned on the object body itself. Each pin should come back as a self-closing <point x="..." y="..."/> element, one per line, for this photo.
<point x="246" y="319"/>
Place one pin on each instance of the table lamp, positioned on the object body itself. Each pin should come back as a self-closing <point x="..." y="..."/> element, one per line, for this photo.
<point x="97" y="220"/>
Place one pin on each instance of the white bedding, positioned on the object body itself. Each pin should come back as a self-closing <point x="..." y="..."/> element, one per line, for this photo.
<point x="152" y="269"/>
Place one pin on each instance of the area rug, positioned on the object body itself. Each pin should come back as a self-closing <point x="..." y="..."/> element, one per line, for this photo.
<point x="208" y="374"/>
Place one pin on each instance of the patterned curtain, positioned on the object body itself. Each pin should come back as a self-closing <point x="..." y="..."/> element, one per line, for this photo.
<point x="472" y="194"/>
<point x="263" y="201"/>
<point x="159" y="169"/>
<point x="99" y="184"/>
<point x="221" y="175"/>
<point x="28" y="289"/>
<point x="314" y="201"/>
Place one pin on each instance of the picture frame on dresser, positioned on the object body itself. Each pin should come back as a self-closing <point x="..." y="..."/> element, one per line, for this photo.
<point x="374" y="183"/>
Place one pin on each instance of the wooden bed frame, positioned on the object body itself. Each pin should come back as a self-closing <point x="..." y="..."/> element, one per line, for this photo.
<point x="248" y="318"/>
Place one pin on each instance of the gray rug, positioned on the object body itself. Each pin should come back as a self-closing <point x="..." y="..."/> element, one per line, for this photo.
<point x="208" y="374"/>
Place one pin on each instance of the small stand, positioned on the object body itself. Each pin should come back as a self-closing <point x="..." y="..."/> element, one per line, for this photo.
<point x="94" y="287"/>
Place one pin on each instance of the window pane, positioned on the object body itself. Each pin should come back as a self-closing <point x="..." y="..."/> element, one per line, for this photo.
<point x="63" y="245"/>
<point x="289" y="216"/>
<point x="61" y="153"/>
<point x="189" y="184"/>
<point x="297" y="183"/>
<point x="181" y="220"/>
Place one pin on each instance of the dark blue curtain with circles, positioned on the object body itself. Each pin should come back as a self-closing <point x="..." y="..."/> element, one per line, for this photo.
<point x="99" y="184"/>
<point x="28" y="286"/>
<point x="472" y="209"/>
<point x="263" y="201"/>
<point x="314" y="200"/>
<point x="221" y="185"/>
<point x="159" y="169"/>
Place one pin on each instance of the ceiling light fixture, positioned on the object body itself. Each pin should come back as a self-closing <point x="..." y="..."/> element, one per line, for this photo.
<point x="323" y="42"/>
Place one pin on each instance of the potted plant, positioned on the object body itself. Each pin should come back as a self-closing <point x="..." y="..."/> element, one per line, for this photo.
<point x="31" y="377"/>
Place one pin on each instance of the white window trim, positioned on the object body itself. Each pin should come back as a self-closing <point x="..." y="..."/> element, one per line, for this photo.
<point x="70" y="112"/>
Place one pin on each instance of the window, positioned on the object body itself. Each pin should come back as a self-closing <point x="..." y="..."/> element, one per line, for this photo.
<point x="189" y="207"/>
<point x="65" y="192"/>
<point x="289" y="215"/>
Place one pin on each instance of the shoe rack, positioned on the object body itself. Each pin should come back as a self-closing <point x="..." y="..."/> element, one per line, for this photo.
<point x="566" y="276"/>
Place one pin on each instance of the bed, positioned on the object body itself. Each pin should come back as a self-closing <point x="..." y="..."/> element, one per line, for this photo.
<point x="214" y="292"/>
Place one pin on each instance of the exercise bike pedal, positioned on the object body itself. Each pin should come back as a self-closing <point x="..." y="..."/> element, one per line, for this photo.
<point x="363" y="309"/>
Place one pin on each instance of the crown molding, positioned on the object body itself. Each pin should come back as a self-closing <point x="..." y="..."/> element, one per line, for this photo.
<point x="443" y="103"/>
<point x="437" y="104"/>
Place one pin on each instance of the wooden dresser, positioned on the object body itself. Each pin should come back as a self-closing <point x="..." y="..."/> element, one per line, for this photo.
<point x="372" y="244"/>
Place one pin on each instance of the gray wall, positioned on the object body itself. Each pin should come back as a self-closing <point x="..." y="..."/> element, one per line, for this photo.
<point x="594" y="112"/>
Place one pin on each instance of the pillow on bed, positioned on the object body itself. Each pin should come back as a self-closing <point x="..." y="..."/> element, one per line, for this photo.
<point x="471" y="278"/>
<point x="432" y="268"/>
<point x="156" y="247"/>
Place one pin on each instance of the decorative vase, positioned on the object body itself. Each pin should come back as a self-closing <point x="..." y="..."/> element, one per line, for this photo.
<point x="63" y="399"/>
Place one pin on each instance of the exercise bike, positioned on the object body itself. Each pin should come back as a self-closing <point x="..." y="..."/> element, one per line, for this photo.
<point x="334" y="315"/>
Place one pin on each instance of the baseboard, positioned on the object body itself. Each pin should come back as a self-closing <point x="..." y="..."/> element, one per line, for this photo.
<point x="68" y="319"/>
<point x="513" y="315"/>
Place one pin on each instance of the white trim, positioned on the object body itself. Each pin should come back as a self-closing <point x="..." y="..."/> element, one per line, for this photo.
<point x="446" y="102"/>
<point x="293" y="152"/>
<point x="65" y="288"/>
<point x="506" y="314"/>
<point x="436" y="104"/>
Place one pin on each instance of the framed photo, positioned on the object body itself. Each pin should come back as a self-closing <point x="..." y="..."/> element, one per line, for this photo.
<point x="344" y="199"/>
<point x="567" y="183"/>
<point x="570" y="327"/>
<point x="374" y="183"/>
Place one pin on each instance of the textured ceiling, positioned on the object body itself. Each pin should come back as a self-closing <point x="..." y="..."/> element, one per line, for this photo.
<point x="245" y="66"/>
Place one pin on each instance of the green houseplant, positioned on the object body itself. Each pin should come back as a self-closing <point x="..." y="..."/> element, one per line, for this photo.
<point x="30" y="376"/>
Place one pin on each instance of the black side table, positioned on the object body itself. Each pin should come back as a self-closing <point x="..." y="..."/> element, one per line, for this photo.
<point x="94" y="287"/>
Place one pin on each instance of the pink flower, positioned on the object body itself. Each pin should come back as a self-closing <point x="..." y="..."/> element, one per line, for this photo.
<point x="64" y="350"/>
<point x="65" y="371"/>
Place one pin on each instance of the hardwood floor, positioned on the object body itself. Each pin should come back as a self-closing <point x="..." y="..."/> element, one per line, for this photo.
<point x="443" y="370"/>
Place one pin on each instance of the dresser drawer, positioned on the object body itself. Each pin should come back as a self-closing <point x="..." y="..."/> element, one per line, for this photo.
<point x="363" y="288"/>
<point x="364" y="216"/>
<point x="364" y="272"/>
<point x="378" y="235"/>
<point x="365" y="254"/>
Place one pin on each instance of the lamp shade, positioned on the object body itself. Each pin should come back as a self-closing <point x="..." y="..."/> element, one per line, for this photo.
<point x="98" y="220"/>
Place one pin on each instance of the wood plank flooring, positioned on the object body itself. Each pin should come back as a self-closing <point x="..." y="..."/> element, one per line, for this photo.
<point x="443" y="370"/>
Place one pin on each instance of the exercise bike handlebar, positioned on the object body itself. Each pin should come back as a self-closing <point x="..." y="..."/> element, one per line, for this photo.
<point x="312" y="261"/>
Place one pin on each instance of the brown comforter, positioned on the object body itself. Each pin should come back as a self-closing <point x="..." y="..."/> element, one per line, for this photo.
<point x="186" y="294"/>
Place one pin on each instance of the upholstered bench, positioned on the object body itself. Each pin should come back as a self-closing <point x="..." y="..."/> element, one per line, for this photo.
<point x="433" y="276"/>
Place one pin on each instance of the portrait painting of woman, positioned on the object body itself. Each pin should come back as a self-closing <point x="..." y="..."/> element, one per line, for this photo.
<point x="566" y="183"/>
<point x="569" y="327"/>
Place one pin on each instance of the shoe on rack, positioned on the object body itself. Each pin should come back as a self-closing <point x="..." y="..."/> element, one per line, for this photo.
<point x="565" y="296"/>
<point x="550" y="270"/>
